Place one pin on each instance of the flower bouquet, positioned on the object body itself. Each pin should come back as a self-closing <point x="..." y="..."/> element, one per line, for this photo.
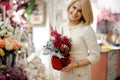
<point x="8" y="47"/>
<point x="9" y="44"/>
<point x="58" y="46"/>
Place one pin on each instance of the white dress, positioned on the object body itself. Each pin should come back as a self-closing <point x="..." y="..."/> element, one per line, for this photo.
<point x="83" y="41"/>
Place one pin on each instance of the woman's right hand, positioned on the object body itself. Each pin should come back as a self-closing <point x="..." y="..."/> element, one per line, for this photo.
<point x="70" y="67"/>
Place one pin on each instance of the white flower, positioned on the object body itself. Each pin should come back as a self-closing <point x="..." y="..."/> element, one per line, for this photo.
<point x="31" y="66"/>
<point x="8" y="45"/>
<point x="39" y="79"/>
<point x="1" y="33"/>
<point x="30" y="76"/>
<point x="34" y="72"/>
<point x="9" y="34"/>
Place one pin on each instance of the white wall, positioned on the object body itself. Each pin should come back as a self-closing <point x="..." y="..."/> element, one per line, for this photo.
<point x="114" y="5"/>
<point x="41" y="32"/>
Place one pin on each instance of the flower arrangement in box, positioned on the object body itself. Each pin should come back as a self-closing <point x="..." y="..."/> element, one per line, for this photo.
<point x="59" y="47"/>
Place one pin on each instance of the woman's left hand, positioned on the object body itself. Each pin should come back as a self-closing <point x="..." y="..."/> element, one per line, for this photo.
<point x="69" y="67"/>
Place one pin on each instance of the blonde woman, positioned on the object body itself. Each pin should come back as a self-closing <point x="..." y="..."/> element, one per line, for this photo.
<point x="85" y="50"/>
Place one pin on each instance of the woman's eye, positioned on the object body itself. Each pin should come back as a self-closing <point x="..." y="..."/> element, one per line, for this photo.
<point x="74" y="7"/>
<point x="80" y="11"/>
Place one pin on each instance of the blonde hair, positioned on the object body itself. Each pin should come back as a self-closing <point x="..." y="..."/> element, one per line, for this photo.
<point x="86" y="11"/>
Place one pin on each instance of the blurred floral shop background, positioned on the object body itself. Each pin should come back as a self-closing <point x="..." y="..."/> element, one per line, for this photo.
<point x="25" y="29"/>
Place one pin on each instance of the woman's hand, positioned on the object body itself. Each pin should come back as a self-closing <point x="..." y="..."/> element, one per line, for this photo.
<point x="69" y="67"/>
<point x="75" y="65"/>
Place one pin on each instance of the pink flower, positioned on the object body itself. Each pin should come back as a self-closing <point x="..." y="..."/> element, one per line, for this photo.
<point x="2" y="77"/>
<point x="16" y="73"/>
<point x="106" y="15"/>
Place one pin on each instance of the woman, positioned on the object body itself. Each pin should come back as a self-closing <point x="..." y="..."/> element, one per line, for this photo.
<point x="83" y="38"/>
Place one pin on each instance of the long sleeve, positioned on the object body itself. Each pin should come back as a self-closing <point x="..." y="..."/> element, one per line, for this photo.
<point x="91" y="42"/>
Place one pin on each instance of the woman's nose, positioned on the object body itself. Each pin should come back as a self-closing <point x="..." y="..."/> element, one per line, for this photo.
<point x="75" y="12"/>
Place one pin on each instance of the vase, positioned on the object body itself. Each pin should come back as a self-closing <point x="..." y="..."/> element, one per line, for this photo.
<point x="9" y="58"/>
<point x="59" y="63"/>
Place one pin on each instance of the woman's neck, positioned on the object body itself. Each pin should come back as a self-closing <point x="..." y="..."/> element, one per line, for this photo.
<point x="72" y="24"/>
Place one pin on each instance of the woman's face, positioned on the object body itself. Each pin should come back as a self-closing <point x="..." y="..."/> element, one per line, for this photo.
<point x="75" y="12"/>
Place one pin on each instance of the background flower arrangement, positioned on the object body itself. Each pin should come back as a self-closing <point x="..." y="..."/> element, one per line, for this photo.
<point x="59" y="47"/>
<point x="7" y="31"/>
<point x="12" y="73"/>
<point x="14" y="32"/>
<point x="38" y="69"/>
<point x="10" y="43"/>
<point x="106" y="15"/>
